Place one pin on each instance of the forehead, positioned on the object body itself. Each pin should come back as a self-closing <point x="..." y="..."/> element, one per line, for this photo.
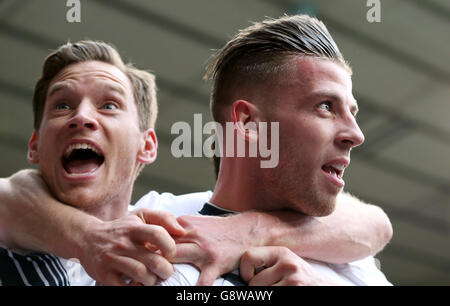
<point x="91" y="72"/>
<point x="310" y="75"/>
<point x="315" y="72"/>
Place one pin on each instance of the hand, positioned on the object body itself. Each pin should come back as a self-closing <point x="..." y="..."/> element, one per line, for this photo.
<point x="213" y="244"/>
<point x="138" y="246"/>
<point x="281" y="267"/>
<point x="31" y="218"/>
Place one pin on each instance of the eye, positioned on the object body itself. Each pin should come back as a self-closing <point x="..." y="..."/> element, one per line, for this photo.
<point x="62" y="106"/>
<point x="326" y="106"/>
<point x="109" y="106"/>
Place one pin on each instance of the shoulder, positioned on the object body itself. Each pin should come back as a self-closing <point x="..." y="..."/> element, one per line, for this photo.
<point x="186" y="204"/>
<point x="22" y="267"/>
<point x="364" y="272"/>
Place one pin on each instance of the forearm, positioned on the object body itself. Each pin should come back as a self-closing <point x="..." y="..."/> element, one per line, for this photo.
<point x="354" y="231"/>
<point x="31" y="219"/>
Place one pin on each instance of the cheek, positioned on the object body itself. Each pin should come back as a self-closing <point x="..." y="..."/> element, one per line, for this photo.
<point x="318" y="132"/>
<point x="48" y="145"/>
<point x="128" y="146"/>
<point x="305" y="144"/>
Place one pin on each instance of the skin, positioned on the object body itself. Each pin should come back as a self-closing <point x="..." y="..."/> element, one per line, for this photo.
<point x="108" y="248"/>
<point x="353" y="231"/>
<point x="92" y="102"/>
<point x="316" y="110"/>
<point x="281" y="267"/>
<point x="317" y="127"/>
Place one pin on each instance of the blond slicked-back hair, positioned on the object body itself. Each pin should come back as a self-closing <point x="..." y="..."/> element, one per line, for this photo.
<point x="258" y="54"/>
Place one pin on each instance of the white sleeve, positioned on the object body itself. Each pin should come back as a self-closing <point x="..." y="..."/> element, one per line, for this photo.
<point x="363" y="272"/>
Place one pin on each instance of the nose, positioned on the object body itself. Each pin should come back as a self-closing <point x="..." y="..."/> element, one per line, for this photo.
<point x="350" y="135"/>
<point x="83" y="117"/>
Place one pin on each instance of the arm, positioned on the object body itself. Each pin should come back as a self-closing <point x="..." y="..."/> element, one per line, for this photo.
<point x="353" y="231"/>
<point x="22" y="215"/>
<point x="30" y="218"/>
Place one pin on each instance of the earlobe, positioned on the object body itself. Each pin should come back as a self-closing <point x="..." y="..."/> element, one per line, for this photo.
<point x="33" y="154"/>
<point x="149" y="147"/>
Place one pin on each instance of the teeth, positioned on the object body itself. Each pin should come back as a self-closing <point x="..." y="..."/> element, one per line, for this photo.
<point x="83" y="146"/>
<point x="339" y="167"/>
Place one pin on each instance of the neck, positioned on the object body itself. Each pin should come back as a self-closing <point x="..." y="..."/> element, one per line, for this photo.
<point x="108" y="211"/>
<point x="112" y="207"/>
<point x="238" y="186"/>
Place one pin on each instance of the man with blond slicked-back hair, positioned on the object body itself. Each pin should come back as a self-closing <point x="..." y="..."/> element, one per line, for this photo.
<point x="277" y="207"/>
<point x="287" y="70"/>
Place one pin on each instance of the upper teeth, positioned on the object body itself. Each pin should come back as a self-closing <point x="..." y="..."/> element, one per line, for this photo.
<point x="79" y="146"/>
<point x="339" y="167"/>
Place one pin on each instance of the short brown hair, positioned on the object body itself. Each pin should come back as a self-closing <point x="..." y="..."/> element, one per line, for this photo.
<point x="259" y="52"/>
<point x="142" y="82"/>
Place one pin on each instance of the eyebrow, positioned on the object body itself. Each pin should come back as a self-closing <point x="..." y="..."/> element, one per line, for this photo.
<point x="113" y="87"/>
<point x="65" y="85"/>
<point x="58" y="87"/>
<point x="332" y="96"/>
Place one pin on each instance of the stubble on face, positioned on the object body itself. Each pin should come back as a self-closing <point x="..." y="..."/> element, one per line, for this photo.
<point x="306" y="140"/>
<point x="116" y="133"/>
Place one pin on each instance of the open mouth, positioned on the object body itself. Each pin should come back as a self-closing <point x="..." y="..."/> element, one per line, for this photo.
<point x="334" y="169"/>
<point x="81" y="159"/>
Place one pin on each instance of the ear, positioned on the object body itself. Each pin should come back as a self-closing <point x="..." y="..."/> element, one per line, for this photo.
<point x="149" y="147"/>
<point x="246" y="117"/>
<point x="33" y="154"/>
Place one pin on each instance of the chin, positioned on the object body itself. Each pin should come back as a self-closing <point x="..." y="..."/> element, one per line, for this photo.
<point x="327" y="206"/>
<point x="81" y="200"/>
<point x="320" y="206"/>
<point x="328" y="210"/>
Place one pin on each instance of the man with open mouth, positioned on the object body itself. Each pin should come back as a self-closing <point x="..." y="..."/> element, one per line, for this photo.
<point x="287" y="70"/>
<point x="93" y="132"/>
<point x="94" y="119"/>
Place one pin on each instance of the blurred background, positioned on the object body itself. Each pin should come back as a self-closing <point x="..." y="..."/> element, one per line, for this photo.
<point x="401" y="80"/>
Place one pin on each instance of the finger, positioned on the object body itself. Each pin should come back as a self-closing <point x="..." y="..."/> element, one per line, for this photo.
<point x="207" y="276"/>
<point x="134" y="269"/>
<point x="157" y="265"/>
<point x="113" y="278"/>
<point x="155" y="237"/>
<point x="135" y="284"/>
<point x="266" y="277"/>
<point x="187" y="253"/>
<point x="161" y="218"/>
<point x="255" y="258"/>
<point x="247" y="266"/>
<point x="284" y="282"/>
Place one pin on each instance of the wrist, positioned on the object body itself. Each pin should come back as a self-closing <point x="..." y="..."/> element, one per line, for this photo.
<point x="283" y="228"/>
<point x="77" y="233"/>
<point x="261" y="227"/>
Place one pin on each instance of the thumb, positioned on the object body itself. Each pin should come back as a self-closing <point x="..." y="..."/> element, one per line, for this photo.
<point x="207" y="276"/>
